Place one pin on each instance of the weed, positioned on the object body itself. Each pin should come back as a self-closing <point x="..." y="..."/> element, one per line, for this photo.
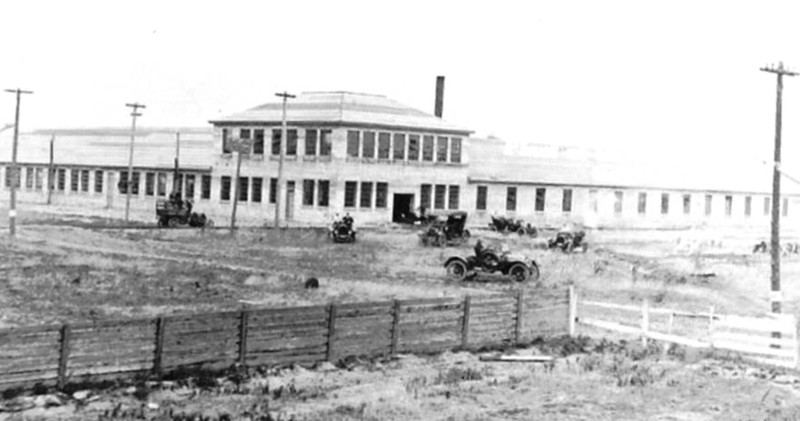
<point x="456" y="375"/>
<point x="591" y="362"/>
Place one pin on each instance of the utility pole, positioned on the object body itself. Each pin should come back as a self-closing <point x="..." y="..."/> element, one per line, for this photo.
<point x="12" y="209"/>
<point x="129" y="179"/>
<point x="775" y="244"/>
<point x="176" y="181"/>
<point x="50" y="172"/>
<point x="283" y="141"/>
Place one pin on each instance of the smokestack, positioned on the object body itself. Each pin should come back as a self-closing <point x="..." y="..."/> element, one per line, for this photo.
<point x="439" y="96"/>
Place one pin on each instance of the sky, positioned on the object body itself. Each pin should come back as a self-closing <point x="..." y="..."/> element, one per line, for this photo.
<point x="671" y="79"/>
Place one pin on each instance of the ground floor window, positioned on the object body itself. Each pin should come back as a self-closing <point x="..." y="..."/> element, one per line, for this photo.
<point x="642" y="205"/>
<point x="425" y="196"/>
<point x="687" y="204"/>
<point x="511" y="199"/>
<point x="74" y="176"/>
<point x="85" y="180"/>
<point x="98" y="181"/>
<point x="323" y="193"/>
<point x="566" y="201"/>
<point x="273" y="190"/>
<point x="162" y="184"/>
<point x="438" y="198"/>
<point x="453" y="196"/>
<point x="205" y="187"/>
<point x="708" y="205"/>
<point x="39" y="178"/>
<point x="381" y="194"/>
<point x="664" y="203"/>
<point x="350" y="194"/>
<point x="728" y="205"/>
<point x="62" y="178"/>
<point x="225" y="188"/>
<point x="366" y="195"/>
<point x="190" y="186"/>
<point x="308" y="192"/>
<point x="244" y="184"/>
<point x="748" y="204"/>
<point x="149" y="183"/>
<point x="29" y="178"/>
<point x="618" y="197"/>
<point x="255" y="186"/>
<point x="593" y="200"/>
<point x="480" y="201"/>
<point x="540" y="199"/>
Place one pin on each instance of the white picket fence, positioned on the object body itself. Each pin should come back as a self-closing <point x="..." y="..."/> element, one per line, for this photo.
<point x="753" y="337"/>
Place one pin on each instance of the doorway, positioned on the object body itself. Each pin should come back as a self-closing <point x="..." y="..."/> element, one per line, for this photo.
<point x="290" y="200"/>
<point x="402" y="207"/>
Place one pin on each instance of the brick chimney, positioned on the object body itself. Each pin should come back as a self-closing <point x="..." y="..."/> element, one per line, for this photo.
<point x="439" y="96"/>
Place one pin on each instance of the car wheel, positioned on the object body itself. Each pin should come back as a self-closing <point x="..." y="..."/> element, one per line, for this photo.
<point x="456" y="270"/>
<point x="519" y="272"/>
<point x="534" y="272"/>
<point x="521" y="232"/>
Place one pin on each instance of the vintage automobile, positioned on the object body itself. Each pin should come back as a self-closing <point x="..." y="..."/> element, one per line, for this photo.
<point x="507" y="225"/>
<point x="568" y="240"/>
<point x="175" y="212"/>
<point x="448" y="228"/>
<point x="342" y="230"/>
<point x="490" y="260"/>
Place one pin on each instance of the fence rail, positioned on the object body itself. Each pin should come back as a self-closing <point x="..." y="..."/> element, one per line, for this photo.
<point x="771" y="339"/>
<point x="60" y="354"/>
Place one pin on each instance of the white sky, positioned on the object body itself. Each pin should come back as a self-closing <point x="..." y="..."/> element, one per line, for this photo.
<point x="667" y="75"/>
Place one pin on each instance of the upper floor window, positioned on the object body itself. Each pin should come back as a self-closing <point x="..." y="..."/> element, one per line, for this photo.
<point x="413" y="147"/>
<point x="226" y="147"/>
<point x="368" y="145"/>
<point x="441" y="149"/>
<point x="399" y="147"/>
<point x="455" y="150"/>
<point x="384" y="145"/>
<point x="258" y="142"/>
<point x="311" y="142"/>
<point x="427" y="148"/>
<point x="352" y="143"/>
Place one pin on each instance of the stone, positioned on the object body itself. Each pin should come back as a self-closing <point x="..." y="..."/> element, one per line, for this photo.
<point x="81" y="395"/>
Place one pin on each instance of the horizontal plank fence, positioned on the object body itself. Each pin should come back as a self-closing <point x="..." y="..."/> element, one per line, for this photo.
<point x="56" y="355"/>
<point x="771" y="339"/>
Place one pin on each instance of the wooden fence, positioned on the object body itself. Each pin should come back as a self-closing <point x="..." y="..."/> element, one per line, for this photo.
<point x="753" y="337"/>
<point x="60" y="354"/>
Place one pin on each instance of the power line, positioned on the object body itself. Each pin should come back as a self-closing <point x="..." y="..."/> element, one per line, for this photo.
<point x="775" y="251"/>
<point x="12" y="210"/>
<point x="129" y="180"/>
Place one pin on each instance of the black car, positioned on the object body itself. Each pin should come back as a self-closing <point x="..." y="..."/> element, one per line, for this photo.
<point x="448" y="228"/>
<point x="489" y="260"/>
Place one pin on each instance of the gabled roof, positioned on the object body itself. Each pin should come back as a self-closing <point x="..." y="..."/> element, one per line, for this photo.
<point x="344" y="108"/>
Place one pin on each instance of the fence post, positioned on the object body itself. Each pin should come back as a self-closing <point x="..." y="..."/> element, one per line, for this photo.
<point x="518" y="325"/>
<point x="331" y="331"/>
<point x="159" y="352"/>
<point x="465" y="323"/>
<point x="395" y="327"/>
<point x="244" y="320"/>
<point x="63" y="356"/>
<point x="645" y="322"/>
<point x="573" y="309"/>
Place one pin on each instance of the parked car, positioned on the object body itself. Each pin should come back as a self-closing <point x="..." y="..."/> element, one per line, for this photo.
<point x="448" y="228"/>
<point x="490" y="260"/>
<point x="175" y="212"/>
<point x="342" y="230"/>
<point x="569" y="240"/>
<point x="507" y="225"/>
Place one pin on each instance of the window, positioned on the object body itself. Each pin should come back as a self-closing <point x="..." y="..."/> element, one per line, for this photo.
<point x="73" y="179"/>
<point x="255" y="193"/>
<point x="244" y="134"/>
<point x="325" y="143"/>
<point x="642" y="205"/>
<point x="664" y="203"/>
<point x="324" y="188"/>
<point x="708" y="205"/>
<point x="438" y="198"/>
<point x="785" y="208"/>
<point x="308" y="192"/>
<point x="413" y="147"/>
<point x="85" y="180"/>
<point x="149" y="183"/>
<point x="511" y="198"/>
<point x="368" y="145"/>
<point x="15" y="174"/>
<point x="366" y="195"/>
<point x="226" y="146"/>
<point x="453" y="194"/>
<point x="177" y="183"/>
<point x="244" y="185"/>
<point x="205" y="187"/>
<point x="384" y="143"/>
<point x="425" y="196"/>
<point x="767" y="206"/>
<point x="62" y="176"/>
<point x="311" y="142"/>
<point x="399" y="147"/>
<point x="353" y="138"/>
<point x="98" y="181"/>
<point x="618" y="197"/>
<point x="291" y="143"/>
<point x="455" y="150"/>
<point x="225" y="192"/>
<point x="276" y="141"/>
<point x="427" y="148"/>
<point x="39" y="179"/>
<point x="190" y="186"/>
<point x="566" y="201"/>
<point x="350" y="194"/>
<point x="728" y="205"/>
<point x="540" y="199"/>
<point x="687" y="204"/>
<point x="273" y="190"/>
<point x="593" y="200"/>
<point x="441" y="149"/>
<point x="258" y="142"/>
<point x="381" y="194"/>
<point x="162" y="184"/>
<point x="480" y="201"/>
<point x="29" y="178"/>
<point x="748" y="204"/>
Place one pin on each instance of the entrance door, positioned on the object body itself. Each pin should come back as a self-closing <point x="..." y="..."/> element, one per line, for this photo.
<point x="401" y="209"/>
<point x="289" y="200"/>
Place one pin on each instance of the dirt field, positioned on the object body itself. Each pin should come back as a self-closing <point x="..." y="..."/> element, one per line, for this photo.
<point x="64" y="268"/>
